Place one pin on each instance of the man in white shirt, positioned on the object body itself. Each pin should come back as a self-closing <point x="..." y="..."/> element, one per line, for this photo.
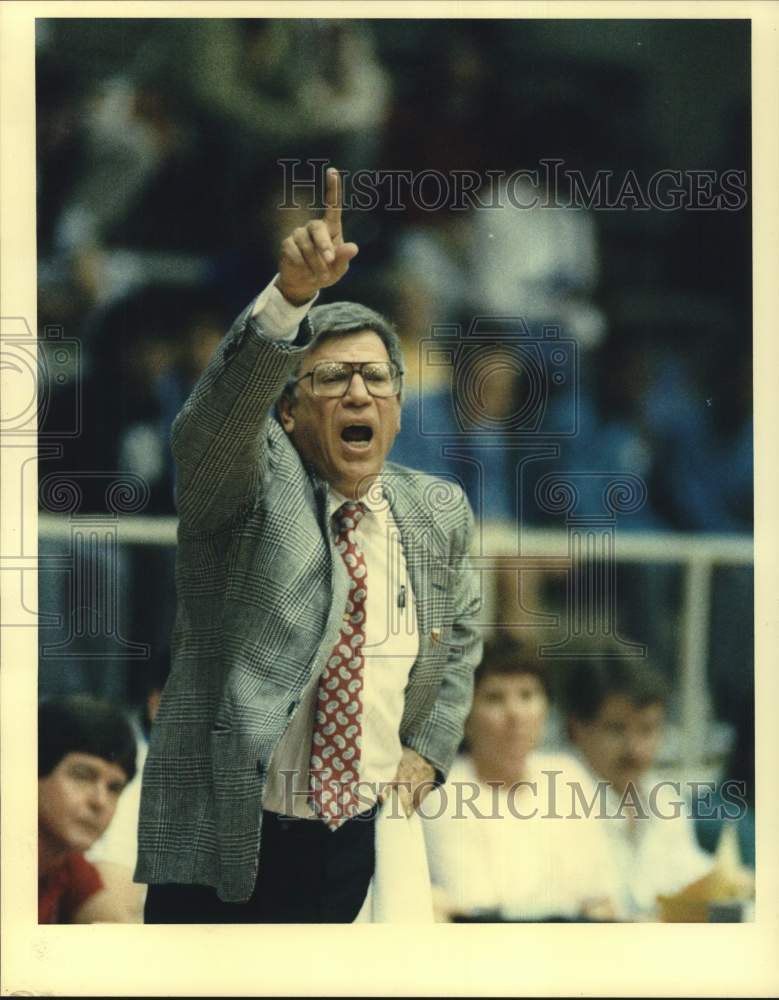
<point x="324" y="647"/>
<point x="615" y="713"/>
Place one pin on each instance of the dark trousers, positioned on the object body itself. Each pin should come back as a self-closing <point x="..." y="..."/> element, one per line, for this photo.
<point x="307" y="874"/>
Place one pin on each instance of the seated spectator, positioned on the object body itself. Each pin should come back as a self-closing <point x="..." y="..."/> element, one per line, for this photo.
<point x="498" y="848"/>
<point x="86" y="756"/>
<point x="615" y="714"/>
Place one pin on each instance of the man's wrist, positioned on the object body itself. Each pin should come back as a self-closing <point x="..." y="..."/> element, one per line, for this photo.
<point x="295" y="297"/>
<point x="278" y="317"/>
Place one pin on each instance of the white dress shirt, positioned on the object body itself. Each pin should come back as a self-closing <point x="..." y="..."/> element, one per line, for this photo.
<point x="516" y="853"/>
<point x="391" y="634"/>
<point x="654" y="855"/>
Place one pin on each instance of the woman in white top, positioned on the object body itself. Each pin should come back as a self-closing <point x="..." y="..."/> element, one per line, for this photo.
<point x="501" y="839"/>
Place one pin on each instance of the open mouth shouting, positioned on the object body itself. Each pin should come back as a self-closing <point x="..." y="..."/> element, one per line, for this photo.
<point x="357" y="437"/>
<point x="346" y="436"/>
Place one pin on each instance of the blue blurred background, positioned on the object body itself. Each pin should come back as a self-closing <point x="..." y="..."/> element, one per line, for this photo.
<point x="159" y="186"/>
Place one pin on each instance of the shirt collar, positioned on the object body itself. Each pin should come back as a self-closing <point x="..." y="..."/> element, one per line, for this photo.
<point x="372" y="498"/>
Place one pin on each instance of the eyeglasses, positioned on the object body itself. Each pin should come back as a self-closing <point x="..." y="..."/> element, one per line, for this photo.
<point x="334" y="378"/>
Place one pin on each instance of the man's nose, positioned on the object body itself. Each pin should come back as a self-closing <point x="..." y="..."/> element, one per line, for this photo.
<point x="358" y="391"/>
<point x="634" y="754"/>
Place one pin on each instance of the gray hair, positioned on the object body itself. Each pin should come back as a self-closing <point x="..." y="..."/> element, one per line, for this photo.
<point x="339" y="319"/>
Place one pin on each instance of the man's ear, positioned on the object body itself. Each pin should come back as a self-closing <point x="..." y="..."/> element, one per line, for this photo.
<point x="286" y="414"/>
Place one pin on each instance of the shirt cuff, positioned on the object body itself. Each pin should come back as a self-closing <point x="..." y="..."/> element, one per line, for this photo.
<point x="278" y="318"/>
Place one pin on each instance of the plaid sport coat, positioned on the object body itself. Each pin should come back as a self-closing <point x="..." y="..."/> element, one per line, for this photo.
<point x="260" y="596"/>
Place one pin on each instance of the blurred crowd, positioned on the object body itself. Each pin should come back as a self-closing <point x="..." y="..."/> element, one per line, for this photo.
<point x="590" y="828"/>
<point x="159" y="218"/>
<point x="158" y="190"/>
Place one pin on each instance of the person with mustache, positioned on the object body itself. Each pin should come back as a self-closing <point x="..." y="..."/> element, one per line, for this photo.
<point x="324" y="644"/>
<point x="615" y="713"/>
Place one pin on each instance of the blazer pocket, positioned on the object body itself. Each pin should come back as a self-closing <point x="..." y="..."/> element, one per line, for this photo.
<point x="441" y="576"/>
<point x="437" y="598"/>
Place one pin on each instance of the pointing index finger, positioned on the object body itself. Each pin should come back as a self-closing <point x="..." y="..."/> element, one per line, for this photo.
<point x="332" y="214"/>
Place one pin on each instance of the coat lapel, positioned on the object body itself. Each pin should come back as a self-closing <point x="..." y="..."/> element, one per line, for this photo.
<point x="417" y="530"/>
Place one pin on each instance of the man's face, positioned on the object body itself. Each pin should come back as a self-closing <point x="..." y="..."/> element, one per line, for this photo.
<point x="620" y="744"/>
<point x="77" y="801"/>
<point x="346" y="440"/>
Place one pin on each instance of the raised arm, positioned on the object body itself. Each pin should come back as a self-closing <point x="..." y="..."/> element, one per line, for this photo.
<point x="218" y="438"/>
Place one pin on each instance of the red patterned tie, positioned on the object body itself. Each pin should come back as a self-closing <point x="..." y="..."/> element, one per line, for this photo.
<point x="337" y="737"/>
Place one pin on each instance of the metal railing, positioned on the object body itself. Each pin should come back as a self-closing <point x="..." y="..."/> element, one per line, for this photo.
<point x="508" y="547"/>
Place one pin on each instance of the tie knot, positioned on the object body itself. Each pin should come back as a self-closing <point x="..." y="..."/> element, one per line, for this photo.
<point x="349" y="515"/>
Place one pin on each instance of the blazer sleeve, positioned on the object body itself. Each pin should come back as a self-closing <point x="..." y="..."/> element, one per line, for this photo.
<point x="219" y="439"/>
<point x="438" y="736"/>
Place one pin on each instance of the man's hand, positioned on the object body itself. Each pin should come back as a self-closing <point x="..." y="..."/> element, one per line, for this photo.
<point x="415" y="777"/>
<point x="315" y="256"/>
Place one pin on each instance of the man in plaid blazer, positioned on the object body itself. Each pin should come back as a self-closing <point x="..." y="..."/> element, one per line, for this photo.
<point x="231" y="829"/>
